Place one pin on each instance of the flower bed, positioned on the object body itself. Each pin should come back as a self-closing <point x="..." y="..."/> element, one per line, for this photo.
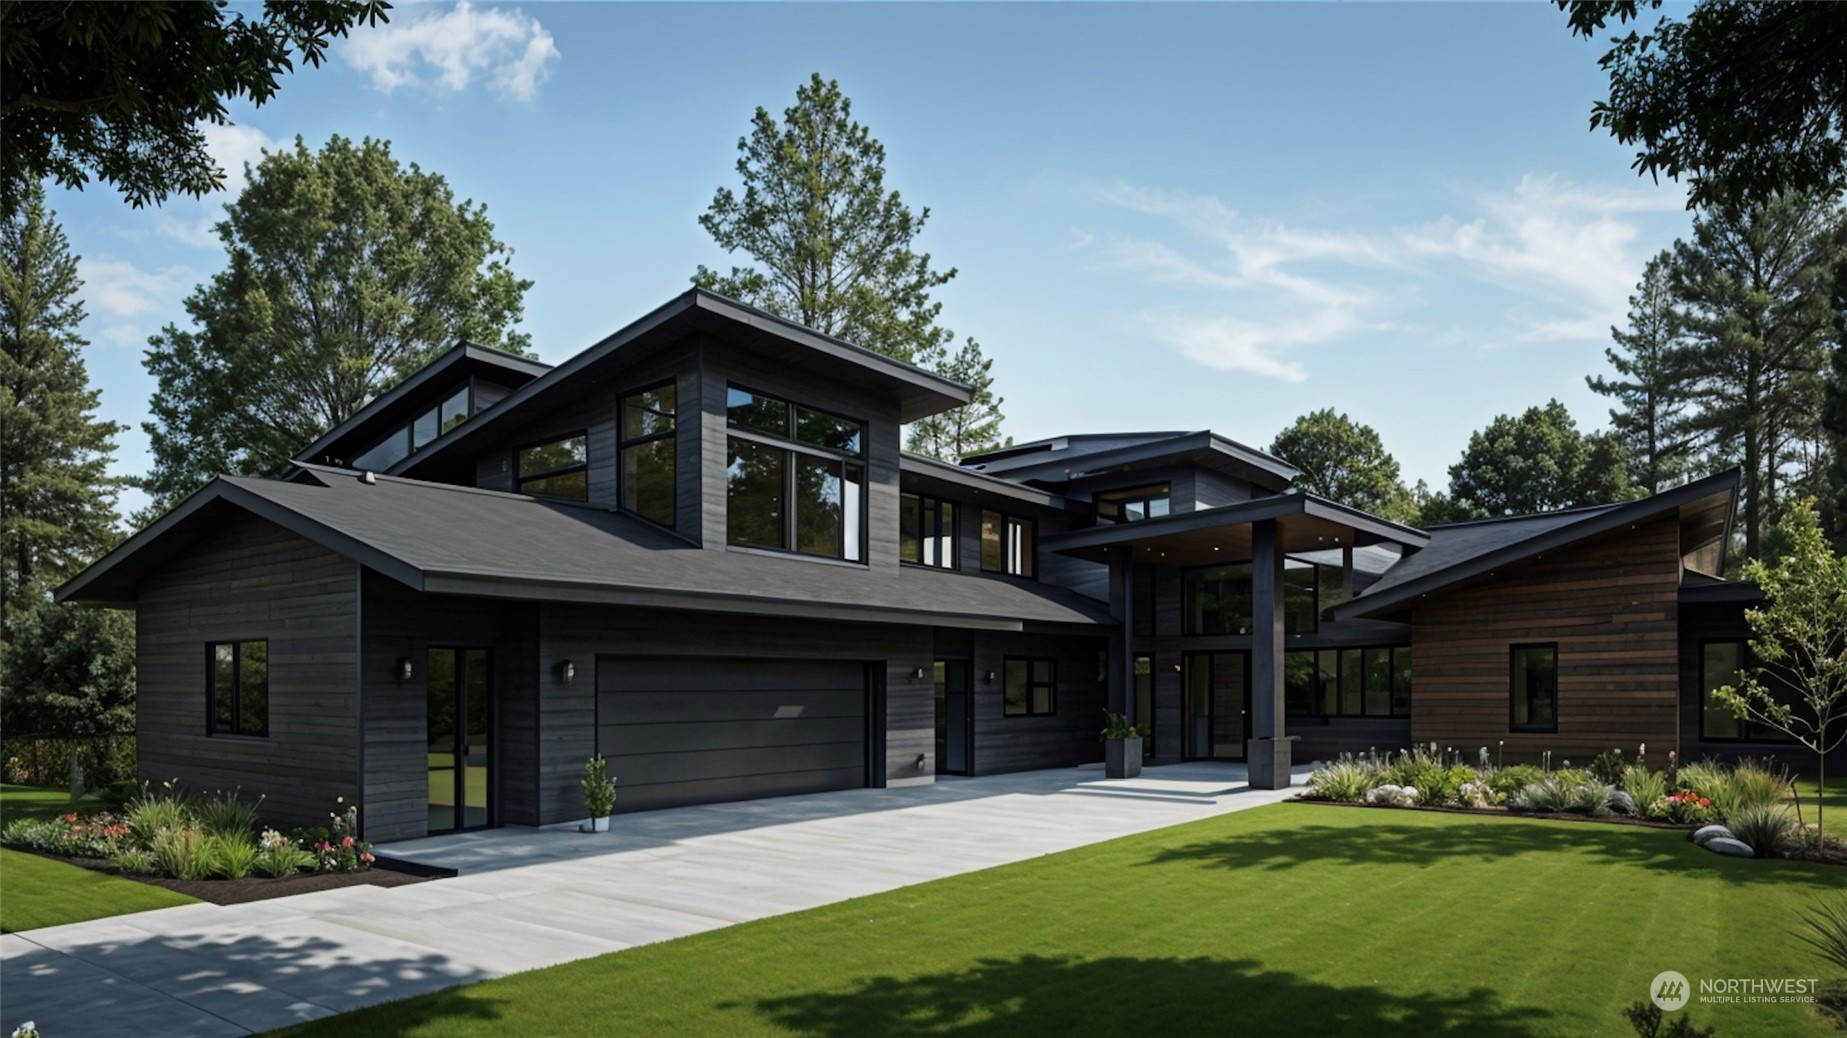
<point x="165" y="833"/>
<point x="1748" y="798"/>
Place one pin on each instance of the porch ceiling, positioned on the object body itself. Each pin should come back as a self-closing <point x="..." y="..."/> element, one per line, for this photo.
<point x="1304" y="524"/>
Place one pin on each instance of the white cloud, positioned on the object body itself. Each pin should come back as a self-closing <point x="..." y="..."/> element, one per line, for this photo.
<point x="124" y="291"/>
<point x="1567" y="255"/>
<point x="447" y="50"/>
<point x="231" y="146"/>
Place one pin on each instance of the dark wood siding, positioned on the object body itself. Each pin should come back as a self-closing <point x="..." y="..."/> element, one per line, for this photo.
<point x="1712" y="622"/>
<point x="1611" y="607"/>
<point x="1067" y="737"/>
<point x="253" y="580"/>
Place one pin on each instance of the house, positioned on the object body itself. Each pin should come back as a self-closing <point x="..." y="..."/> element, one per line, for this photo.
<point x="698" y="549"/>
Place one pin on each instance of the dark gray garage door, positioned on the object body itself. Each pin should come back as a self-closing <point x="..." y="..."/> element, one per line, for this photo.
<point x="696" y="731"/>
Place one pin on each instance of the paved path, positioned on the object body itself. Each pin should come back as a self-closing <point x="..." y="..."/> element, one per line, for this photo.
<point x="528" y="898"/>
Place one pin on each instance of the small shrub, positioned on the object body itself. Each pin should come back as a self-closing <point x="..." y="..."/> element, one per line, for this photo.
<point x="224" y="814"/>
<point x="1573" y="776"/>
<point x="600" y="789"/>
<point x="1608" y="767"/>
<point x="1389" y="795"/>
<point x="1478" y="794"/>
<point x="1346" y="779"/>
<point x="1826" y="931"/>
<point x="134" y="860"/>
<point x="1704" y="779"/>
<point x="1565" y="792"/>
<point x="152" y="812"/>
<point x="32" y="833"/>
<point x="183" y="854"/>
<point x="341" y="850"/>
<point x="1769" y="829"/>
<point x="1643" y="786"/>
<point x="1507" y="781"/>
<point x="277" y="856"/>
<point x="233" y="857"/>
<point x="1683" y="808"/>
<point x="1749" y="785"/>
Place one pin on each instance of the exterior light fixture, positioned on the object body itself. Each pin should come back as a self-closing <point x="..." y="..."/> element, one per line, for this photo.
<point x="917" y="674"/>
<point x="920" y="762"/>
<point x="403" y="670"/>
<point x="990" y="678"/>
<point x="567" y="671"/>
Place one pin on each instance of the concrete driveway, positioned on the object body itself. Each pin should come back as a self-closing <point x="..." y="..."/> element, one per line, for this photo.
<point x="528" y="898"/>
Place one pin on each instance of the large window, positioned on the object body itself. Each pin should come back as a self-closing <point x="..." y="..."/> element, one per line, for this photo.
<point x="1218" y="598"/>
<point x="1534" y="688"/>
<point x="648" y="449"/>
<point x="555" y="468"/>
<point x="927" y="531"/>
<point x="1006" y="544"/>
<point x="1028" y="689"/>
<point x="1143" y="600"/>
<point x="1134" y="505"/>
<point x="1369" y="682"/>
<point x="1720" y="662"/>
<point x="237" y="688"/>
<point x="794" y="481"/>
<point x="421" y="431"/>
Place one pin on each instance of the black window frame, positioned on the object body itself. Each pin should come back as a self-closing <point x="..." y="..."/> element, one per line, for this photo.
<point x="406" y="430"/>
<point x="1145" y="494"/>
<point x="1189" y="590"/>
<point x="1751" y="730"/>
<point x="1008" y="541"/>
<point x="624" y="443"/>
<point x="212" y="690"/>
<point x="1398" y="701"/>
<point x="851" y="468"/>
<point x="1136" y="673"/>
<point x="929" y="505"/>
<point x="1050" y="684"/>
<point x="1513" y="652"/>
<point x="522" y="477"/>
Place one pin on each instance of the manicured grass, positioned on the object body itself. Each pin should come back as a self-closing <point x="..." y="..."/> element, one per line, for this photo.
<point x="1292" y="919"/>
<point x="36" y="891"/>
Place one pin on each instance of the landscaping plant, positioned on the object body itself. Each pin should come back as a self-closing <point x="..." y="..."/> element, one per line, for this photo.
<point x="599" y="788"/>
<point x="1643" y="786"/>
<point x="1768" y="829"/>
<point x="1348" y="779"/>
<point x="225" y="814"/>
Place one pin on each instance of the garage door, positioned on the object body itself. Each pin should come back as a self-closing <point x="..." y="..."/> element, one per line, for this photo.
<point x="696" y="731"/>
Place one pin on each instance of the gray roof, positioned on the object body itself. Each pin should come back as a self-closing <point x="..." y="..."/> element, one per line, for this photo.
<point x="461" y="540"/>
<point x="1459" y="552"/>
<point x="1066" y="458"/>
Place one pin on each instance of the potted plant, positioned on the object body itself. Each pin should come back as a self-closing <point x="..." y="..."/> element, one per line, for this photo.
<point x="1122" y="745"/>
<point x="599" y="795"/>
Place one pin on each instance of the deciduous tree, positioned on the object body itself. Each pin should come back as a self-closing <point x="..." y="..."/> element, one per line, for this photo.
<point x="1537" y="462"/>
<point x="1345" y="461"/>
<point x="345" y="272"/>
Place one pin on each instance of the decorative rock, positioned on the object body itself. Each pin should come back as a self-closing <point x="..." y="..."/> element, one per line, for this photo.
<point x="1729" y="847"/>
<point x="1710" y="832"/>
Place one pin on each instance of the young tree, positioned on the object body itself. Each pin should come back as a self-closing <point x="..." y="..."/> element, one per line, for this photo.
<point x="833" y="248"/>
<point x="960" y="431"/>
<point x="1801" y="637"/>
<point x="1345" y="461"/>
<point x="120" y="91"/>
<point x="1537" y="462"/>
<point x="346" y="272"/>
<point x="1649" y="359"/>
<point x="57" y="500"/>
<point x="1745" y="99"/>
<point x="1755" y="286"/>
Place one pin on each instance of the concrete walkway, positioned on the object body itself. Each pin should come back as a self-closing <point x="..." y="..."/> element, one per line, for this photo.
<point x="528" y="898"/>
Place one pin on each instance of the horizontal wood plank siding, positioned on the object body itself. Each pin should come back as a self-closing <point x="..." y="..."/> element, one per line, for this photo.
<point x="253" y="580"/>
<point x="1610" y="605"/>
<point x="1067" y="737"/>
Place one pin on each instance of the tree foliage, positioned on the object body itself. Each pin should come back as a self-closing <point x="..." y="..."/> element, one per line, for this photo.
<point x="1744" y="99"/>
<point x="1345" y="461"/>
<point x="70" y="671"/>
<point x="1834" y="415"/>
<point x="345" y="273"/>
<point x="119" y="92"/>
<point x="1650" y="415"/>
<point x="1537" y="462"/>
<point x="833" y="248"/>
<point x="1800" y="636"/>
<point x="972" y="428"/>
<point x="57" y="500"/>
<point x="1754" y="287"/>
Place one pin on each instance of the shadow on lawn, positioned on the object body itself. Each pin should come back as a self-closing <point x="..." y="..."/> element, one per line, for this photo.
<point x="1062" y="996"/>
<point x="1395" y="841"/>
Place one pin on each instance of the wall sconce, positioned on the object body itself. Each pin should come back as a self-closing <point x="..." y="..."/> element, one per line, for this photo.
<point x="567" y="671"/>
<point x="988" y="679"/>
<point x="403" y="670"/>
<point x="917" y="674"/>
<point x="920" y="762"/>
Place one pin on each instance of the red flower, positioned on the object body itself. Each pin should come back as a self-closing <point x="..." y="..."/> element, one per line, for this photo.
<point x="1703" y="802"/>
<point x="348" y="842"/>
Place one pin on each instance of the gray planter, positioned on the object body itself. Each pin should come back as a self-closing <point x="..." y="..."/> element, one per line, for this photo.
<point x="1122" y="758"/>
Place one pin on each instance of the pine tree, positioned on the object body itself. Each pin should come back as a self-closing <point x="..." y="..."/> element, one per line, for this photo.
<point x="1755" y="289"/>
<point x="1834" y="417"/>
<point x="833" y="247"/>
<point x="57" y="500"/>
<point x="961" y="431"/>
<point x="1650" y="357"/>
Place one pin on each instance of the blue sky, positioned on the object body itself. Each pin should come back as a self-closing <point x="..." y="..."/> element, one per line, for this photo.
<point x="1182" y="217"/>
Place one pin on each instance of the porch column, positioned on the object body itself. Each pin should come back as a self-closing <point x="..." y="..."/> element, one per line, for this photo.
<point x="1122" y="607"/>
<point x="1267" y="755"/>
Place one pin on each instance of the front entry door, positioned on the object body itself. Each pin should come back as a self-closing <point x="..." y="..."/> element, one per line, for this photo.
<point x="1218" y="703"/>
<point x="460" y="722"/>
<point x="952" y="717"/>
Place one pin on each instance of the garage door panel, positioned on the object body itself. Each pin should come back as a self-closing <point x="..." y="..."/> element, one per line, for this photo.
<point x="617" y="675"/>
<point x="722" y="704"/>
<point x="654" y="768"/>
<point x="715" y="790"/>
<point x="618" y="739"/>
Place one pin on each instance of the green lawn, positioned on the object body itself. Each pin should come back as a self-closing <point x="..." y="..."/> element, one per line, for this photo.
<point x="1295" y="918"/>
<point x="37" y="891"/>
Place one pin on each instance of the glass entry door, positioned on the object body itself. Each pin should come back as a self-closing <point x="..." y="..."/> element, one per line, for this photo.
<point x="953" y="717"/>
<point x="460" y="715"/>
<point x="1218" y="704"/>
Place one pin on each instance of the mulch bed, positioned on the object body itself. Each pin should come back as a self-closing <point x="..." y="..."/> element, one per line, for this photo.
<point x="254" y="888"/>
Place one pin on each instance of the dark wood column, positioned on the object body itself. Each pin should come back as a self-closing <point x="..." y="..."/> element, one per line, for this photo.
<point x="1122" y="607"/>
<point x="1267" y="755"/>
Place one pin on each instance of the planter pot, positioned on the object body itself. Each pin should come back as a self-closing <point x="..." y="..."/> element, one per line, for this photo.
<point x="595" y="825"/>
<point x="1122" y="758"/>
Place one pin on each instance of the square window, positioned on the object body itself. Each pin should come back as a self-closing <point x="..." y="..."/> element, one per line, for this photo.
<point x="1029" y="688"/>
